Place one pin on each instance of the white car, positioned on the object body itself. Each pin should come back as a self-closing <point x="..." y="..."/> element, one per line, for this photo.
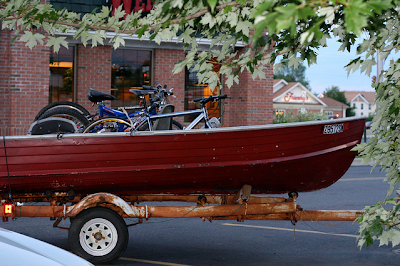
<point x="20" y="250"/>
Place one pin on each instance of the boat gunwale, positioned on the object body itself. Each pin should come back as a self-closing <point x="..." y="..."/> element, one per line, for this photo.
<point x="194" y="131"/>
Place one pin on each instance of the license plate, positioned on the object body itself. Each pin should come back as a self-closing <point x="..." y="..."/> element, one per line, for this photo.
<point x="333" y="129"/>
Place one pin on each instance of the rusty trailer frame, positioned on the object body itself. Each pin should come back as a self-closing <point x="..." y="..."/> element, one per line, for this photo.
<point x="239" y="207"/>
<point x="102" y="213"/>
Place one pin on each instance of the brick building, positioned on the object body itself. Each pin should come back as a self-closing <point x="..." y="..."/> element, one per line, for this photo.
<point x="30" y="79"/>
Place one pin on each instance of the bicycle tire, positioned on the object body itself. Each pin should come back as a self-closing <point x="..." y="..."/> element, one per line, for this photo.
<point x="176" y="125"/>
<point x="63" y="104"/>
<point x="108" y="124"/>
<point x="79" y="119"/>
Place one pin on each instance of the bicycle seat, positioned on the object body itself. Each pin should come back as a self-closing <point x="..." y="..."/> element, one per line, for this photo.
<point x="97" y="96"/>
<point x="142" y="92"/>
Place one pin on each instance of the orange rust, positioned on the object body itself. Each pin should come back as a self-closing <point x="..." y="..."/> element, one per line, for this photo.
<point x="216" y="210"/>
<point x="35" y="211"/>
<point x="310" y="215"/>
<point x="258" y="208"/>
<point x="212" y="199"/>
<point x="90" y="200"/>
<point x="219" y="212"/>
<point x="41" y="197"/>
<point x="114" y="208"/>
<point x="329" y="215"/>
<point x="272" y="217"/>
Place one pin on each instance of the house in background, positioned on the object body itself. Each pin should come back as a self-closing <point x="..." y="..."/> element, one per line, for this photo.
<point x="363" y="101"/>
<point x="291" y="97"/>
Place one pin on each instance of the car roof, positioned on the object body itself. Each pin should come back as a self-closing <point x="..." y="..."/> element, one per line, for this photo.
<point x="17" y="250"/>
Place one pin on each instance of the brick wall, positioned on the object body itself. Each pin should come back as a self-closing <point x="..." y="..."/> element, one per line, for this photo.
<point x="251" y="101"/>
<point x="164" y="61"/>
<point x="5" y="103"/>
<point x="25" y="84"/>
<point x="93" y="71"/>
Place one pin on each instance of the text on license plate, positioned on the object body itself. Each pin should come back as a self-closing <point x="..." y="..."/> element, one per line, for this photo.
<point x="332" y="129"/>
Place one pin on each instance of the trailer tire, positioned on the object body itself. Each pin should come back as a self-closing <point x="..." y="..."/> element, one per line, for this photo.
<point x="98" y="235"/>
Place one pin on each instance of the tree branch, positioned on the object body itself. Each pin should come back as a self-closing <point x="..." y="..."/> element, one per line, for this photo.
<point x="94" y="27"/>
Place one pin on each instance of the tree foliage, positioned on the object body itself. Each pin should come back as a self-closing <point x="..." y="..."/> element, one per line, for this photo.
<point x="292" y="74"/>
<point x="300" y="117"/>
<point x="335" y="93"/>
<point x="296" y="29"/>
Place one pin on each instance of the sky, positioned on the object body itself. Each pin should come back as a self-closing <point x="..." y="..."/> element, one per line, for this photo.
<point x="329" y="71"/>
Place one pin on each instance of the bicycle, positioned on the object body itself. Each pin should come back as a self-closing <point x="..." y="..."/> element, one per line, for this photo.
<point x="121" y="123"/>
<point x="146" y="120"/>
<point x="82" y="117"/>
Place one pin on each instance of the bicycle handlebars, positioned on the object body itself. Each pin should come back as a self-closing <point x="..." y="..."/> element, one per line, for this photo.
<point x="147" y="87"/>
<point x="162" y="93"/>
<point x="211" y="98"/>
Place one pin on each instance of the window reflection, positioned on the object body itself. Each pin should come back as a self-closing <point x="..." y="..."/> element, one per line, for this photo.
<point x="130" y="70"/>
<point x="61" y="86"/>
<point x="194" y="90"/>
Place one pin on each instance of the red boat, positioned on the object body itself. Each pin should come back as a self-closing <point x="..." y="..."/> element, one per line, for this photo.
<point x="272" y="159"/>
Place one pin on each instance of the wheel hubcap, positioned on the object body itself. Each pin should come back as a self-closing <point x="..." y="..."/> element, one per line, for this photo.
<point x="98" y="237"/>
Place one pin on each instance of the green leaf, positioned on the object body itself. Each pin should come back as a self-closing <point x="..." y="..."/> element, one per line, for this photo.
<point x="141" y="31"/>
<point x="32" y="39"/>
<point x="56" y="43"/>
<point x="118" y="41"/>
<point x="227" y="9"/>
<point x="244" y="27"/>
<point x="378" y="5"/>
<point x="212" y="4"/>
<point x="232" y="18"/>
<point x="208" y="19"/>
<point x="395" y="237"/>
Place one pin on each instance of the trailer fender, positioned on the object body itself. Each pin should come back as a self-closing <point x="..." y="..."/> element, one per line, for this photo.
<point x="98" y="198"/>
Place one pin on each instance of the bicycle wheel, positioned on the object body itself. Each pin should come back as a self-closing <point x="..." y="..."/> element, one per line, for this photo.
<point x="79" y="119"/>
<point x="64" y="104"/>
<point x="176" y="125"/>
<point x="108" y="124"/>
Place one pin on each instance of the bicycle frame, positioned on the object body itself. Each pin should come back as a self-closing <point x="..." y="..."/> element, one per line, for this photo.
<point x="149" y="113"/>
<point x="107" y="111"/>
<point x="202" y="114"/>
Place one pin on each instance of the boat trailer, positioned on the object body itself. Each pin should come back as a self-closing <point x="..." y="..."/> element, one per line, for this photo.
<point x="112" y="208"/>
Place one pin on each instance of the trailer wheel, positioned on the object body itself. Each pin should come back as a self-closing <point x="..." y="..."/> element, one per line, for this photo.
<point x="98" y="235"/>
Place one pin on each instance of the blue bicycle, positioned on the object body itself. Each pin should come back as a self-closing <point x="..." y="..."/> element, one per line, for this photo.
<point x="122" y="121"/>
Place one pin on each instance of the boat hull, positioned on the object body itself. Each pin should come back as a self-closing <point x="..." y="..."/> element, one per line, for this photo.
<point x="272" y="159"/>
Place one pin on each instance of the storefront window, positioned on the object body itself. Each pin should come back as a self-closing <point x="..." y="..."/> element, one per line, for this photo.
<point x="62" y="75"/>
<point x="131" y="69"/>
<point x="194" y="90"/>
